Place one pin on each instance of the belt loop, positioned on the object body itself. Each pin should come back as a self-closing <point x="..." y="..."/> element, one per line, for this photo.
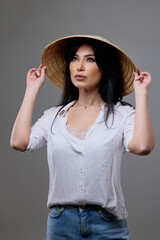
<point x="82" y="206"/>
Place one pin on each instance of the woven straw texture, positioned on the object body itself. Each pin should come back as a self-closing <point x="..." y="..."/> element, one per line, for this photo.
<point x="53" y="59"/>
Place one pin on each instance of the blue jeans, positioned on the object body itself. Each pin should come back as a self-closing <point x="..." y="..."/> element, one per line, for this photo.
<point x="71" y="222"/>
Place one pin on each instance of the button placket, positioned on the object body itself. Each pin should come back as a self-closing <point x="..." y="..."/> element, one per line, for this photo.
<point x="81" y="172"/>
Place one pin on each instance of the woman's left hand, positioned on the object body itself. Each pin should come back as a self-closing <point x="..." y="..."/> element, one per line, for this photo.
<point x="142" y="82"/>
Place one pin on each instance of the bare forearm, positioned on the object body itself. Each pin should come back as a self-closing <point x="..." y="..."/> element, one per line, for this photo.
<point x="22" y="126"/>
<point x="143" y="138"/>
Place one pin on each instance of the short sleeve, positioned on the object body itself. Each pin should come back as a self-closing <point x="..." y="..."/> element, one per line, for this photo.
<point x="129" y="127"/>
<point x="39" y="131"/>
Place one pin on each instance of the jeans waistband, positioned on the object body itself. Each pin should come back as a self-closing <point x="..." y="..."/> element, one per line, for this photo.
<point x="77" y="207"/>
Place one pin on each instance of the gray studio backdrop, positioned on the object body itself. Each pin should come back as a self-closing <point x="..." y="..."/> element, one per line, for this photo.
<point x="26" y="27"/>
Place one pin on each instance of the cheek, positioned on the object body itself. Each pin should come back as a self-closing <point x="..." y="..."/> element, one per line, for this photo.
<point x="72" y="72"/>
<point x="72" y="67"/>
<point x="97" y="74"/>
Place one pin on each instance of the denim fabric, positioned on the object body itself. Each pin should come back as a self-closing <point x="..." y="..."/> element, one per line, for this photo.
<point x="71" y="222"/>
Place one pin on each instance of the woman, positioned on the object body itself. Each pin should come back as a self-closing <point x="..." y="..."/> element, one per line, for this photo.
<point x="87" y="134"/>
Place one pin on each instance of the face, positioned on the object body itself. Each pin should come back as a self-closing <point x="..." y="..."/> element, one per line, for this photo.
<point x="84" y="71"/>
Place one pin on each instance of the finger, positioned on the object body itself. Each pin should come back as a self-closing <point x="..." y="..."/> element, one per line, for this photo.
<point x="32" y="70"/>
<point x="43" y="72"/>
<point x="38" y="72"/>
<point x="139" y="78"/>
<point x="135" y="74"/>
<point x="138" y="71"/>
<point x="40" y="66"/>
<point x="145" y="74"/>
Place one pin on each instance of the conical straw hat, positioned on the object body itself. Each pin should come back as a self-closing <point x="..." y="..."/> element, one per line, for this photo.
<point x="53" y="59"/>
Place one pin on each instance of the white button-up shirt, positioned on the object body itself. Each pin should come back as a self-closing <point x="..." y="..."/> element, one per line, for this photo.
<point x="85" y="171"/>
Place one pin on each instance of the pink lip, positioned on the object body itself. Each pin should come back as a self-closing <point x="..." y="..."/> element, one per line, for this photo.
<point x="79" y="76"/>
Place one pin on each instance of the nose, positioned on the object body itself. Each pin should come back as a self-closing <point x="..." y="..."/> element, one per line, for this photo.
<point x="80" y="66"/>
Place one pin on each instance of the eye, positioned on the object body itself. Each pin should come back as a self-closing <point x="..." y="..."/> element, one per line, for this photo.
<point x="91" y="59"/>
<point x="74" y="59"/>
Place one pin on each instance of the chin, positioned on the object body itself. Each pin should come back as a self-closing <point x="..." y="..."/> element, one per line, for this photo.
<point x="79" y="85"/>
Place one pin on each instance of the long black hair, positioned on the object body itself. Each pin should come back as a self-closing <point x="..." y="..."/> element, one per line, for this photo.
<point x="111" y="84"/>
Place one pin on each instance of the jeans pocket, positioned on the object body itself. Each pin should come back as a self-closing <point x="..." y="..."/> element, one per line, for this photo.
<point x="56" y="211"/>
<point x="105" y="215"/>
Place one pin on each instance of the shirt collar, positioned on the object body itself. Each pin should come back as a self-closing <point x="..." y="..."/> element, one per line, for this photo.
<point x="63" y="111"/>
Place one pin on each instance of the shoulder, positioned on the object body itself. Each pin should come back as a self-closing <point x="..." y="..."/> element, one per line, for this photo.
<point x="125" y="110"/>
<point x="52" y="111"/>
<point x="49" y="114"/>
<point x="55" y="110"/>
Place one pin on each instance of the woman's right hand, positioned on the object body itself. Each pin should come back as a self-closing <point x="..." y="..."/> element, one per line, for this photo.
<point x="36" y="77"/>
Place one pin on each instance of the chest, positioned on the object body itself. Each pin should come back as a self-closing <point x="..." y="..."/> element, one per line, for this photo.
<point x="100" y="142"/>
<point x="82" y="118"/>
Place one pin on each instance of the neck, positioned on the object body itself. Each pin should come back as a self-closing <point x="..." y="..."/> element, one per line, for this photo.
<point x="89" y="98"/>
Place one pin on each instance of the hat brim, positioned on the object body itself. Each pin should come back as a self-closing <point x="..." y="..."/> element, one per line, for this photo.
<point x="53" y="59"/>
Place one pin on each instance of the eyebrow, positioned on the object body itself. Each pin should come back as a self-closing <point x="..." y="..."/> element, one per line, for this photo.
<point x="87" y="55"/>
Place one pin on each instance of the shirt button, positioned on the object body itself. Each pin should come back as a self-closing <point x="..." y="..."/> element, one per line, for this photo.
<point x="82" y="171"/>
<point x="82" y="189"/>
